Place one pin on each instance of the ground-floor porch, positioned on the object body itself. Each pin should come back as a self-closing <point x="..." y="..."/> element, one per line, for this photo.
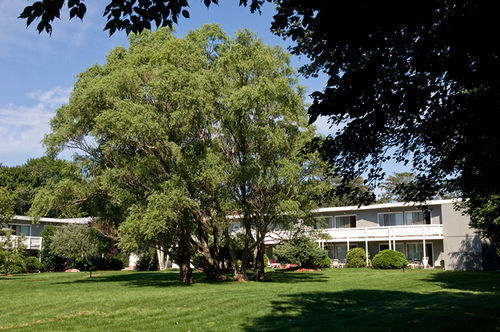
<point x="417" y="252"/>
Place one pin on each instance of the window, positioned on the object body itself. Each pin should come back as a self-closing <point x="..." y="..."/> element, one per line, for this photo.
<point x="418" y="218"/>
<point x="18" y="229"/>
<point x="25" y="230"/>
<point x="331" y="251"/>
<point x="341" y="252"/>
<point x="345" y="222"/>
<point x="415" y="251"/>
<point x="399" y="247"/>
<point x="390" y="219"/>
<point x="324" y="222"/>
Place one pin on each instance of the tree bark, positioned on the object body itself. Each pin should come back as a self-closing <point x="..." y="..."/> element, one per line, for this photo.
<point x="184" y="257"/>
<point x="239" y="271"/>
<point x="161" y="258"/>
<point x="259" y="268"/>
<point x="211" y="269"/>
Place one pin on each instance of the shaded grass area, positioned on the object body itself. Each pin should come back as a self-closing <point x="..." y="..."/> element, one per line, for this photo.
<point x="342" y="299"/>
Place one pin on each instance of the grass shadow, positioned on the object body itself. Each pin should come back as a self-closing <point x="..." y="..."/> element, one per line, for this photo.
<point x="289" y="277"/>
<point x="377" y="310"/>
<point x="171" y="278"/>
<point x="476" y="281"/>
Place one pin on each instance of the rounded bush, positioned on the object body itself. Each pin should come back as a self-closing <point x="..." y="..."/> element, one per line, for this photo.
<point x="17" y="266"/>
<point x="389" y="259"/>
<point x="79" y="263"/>
<point x="33" y="264"/>
<point x="303" y="252"/>
<point x="356" y="257"/>
<point x="324" y="263"/>
<point x="115" y="264"/>
<point x="147" y="262"/>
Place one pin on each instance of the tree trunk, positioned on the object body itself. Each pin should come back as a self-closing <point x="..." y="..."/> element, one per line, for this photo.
<point x="239" y="271"/>
<point x="215" y="234"/>
<point x="211" y="269"/>
<point x="161" y="258"/>
<point x="259" y="268"/>
<point x="186" y="276"/>
<point x="184" y="257"/>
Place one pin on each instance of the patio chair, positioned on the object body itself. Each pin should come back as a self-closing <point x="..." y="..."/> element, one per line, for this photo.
<point x="335" y="263"/>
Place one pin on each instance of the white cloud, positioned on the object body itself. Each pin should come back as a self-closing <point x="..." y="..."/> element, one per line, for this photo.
<point x="22" y="127"/>
<point x="51" y="98"/>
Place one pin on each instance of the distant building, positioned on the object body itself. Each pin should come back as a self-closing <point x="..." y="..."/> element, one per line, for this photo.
<point x="439" y="236"/>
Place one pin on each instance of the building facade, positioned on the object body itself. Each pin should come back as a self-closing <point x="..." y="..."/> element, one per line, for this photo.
<point x="430" y="235"/>
<point x="32" y="232"/>
<point x="434" y="235"/>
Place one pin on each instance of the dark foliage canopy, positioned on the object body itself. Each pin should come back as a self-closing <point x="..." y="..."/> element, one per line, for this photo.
<point x="418" y="82"/>
<point x="129" y="15"/>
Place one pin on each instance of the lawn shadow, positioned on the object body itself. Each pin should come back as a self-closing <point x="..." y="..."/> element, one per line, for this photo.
<point x="377" y="310"/>
<point x="171" y="278"/>
<point x="290" y="277"/>
<point x="136" y="279"/>
<point x="476" y="281"/>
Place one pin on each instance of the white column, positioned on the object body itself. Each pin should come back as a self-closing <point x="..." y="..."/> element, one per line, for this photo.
<point x="394" y="239"/>
<point x="423" y="241"/>
<point x="389" y="231"/>
<point x="366" y="245"/>
<point x="347" y="239"/>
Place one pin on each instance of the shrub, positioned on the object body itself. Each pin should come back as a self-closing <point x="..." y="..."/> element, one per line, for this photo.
<point x="389" y="259"/>
<point x="15" y="267"/>
<point x="50" y="261"/>
<point x="83" y="264"/>
<point x="148" y="261"/>
<point x="98" y="263"/>
<point x="324" y="263"/>
<point x="303" y="252"/>
<point x="115" y="264"/>
<point x="33" y="264"/>
<point x="356" y="257"/>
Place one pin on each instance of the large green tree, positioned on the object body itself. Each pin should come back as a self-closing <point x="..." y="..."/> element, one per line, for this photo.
<point x="180" y="133"/>
<point x="262" y="131"/>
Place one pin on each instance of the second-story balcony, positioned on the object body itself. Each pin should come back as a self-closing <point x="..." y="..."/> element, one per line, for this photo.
<point x="31" y="242"/>
<point x="377" y="233"/>
<point x="384" y="233"/>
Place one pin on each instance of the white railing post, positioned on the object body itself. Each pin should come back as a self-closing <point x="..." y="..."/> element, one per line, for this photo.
<point x="366" y="245"/>
<point x="389" y="234"/>
<point x="424" y="251"/>
<point x="394" y="239"/>
<point x="347" y="239"/>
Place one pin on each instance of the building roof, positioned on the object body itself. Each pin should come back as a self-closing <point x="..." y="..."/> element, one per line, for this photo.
<point x="383" y="206"/>
<point x="85" y="220"/>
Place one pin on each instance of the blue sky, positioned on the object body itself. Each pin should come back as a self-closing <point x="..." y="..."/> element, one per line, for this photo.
<point x="37" y="71"/>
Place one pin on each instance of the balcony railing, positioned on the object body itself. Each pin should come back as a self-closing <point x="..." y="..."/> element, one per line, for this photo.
<point x="413" y="232"/>
<point x="361" y="234"/>
<point x="32" y="242"/>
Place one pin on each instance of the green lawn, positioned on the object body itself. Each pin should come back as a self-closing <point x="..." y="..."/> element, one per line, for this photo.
<point x="354" y="299"/>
